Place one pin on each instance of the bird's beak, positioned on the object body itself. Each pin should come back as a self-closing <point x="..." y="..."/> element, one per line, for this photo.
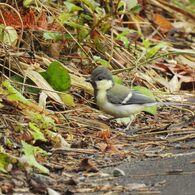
<point x="88" y="79"/>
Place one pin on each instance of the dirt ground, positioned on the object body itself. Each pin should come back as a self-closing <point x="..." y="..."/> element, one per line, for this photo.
<point x="170" y="176"/>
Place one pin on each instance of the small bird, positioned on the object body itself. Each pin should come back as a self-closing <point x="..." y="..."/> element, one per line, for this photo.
<point x="116" y="100"/>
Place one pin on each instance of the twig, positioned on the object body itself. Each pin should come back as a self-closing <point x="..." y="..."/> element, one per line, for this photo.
<point x="77" y="150"/>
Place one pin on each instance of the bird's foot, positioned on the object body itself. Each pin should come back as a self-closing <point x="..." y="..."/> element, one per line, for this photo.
<point x="129" y="130"/>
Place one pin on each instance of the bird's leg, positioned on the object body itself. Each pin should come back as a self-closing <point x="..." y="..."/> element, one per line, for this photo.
<point x="125" y="121"/>
<point x="129" y="129"/>
<point x="131" y="119"/>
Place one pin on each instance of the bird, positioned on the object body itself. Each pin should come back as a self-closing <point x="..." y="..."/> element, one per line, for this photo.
<point x="114" y="99"/>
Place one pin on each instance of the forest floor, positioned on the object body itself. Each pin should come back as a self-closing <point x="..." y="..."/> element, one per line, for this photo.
<point x="53" y="139"/>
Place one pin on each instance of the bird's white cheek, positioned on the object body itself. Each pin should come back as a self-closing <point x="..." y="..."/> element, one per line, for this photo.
<point x="104" y="84"/>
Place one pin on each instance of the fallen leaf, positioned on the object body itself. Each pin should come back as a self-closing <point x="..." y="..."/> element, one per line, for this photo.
<point x="52" y="192"/>
<point x="87" y="165"/>
<point x="13" y="94"/>
<point x="55" y="49"/>
<point x="67" y="99"/>
<point x="105" y="134"/>
<point x="136" y="186"/>
<point x="174" y="84"/>
<point x="8" y="35"/>
<point x="57" y="76"/>
<point x="57" y="140"/>
<point x="4" y="161"/>
<point x="161" y="21"/>
<point x="42" y="99"/>
<point x="43" y="84"/>
<point x="28" y="157"/>
<point x="112" y="149"/>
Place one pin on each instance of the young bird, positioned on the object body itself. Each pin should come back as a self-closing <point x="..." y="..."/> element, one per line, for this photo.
<point x="114" y="99"/>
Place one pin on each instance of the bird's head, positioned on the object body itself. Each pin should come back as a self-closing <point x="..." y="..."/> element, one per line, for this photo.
<point x="101" y="78"/>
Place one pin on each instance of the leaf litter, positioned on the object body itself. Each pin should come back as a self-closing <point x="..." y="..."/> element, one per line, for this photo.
<point x="62" y="146"/>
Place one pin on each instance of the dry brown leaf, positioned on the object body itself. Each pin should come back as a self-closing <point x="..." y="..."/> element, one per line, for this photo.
<point x="112" y="149"/>
<point x="183" y="71"/>
<point x="27" y="109"/>
<point x="104" y="134"/>
<point x="184" y="60"/>
<point x="174" y="84"/>
<point x="81" y="83"/>
<point x="43" y="99"/>
<point x="161" y="21"/>
<point x="58" y="141"/>
<point x="43" y="84"/>
<point x="88" y="165"/>
<point x="55" y="49"/>
<point x="101" y="146"/>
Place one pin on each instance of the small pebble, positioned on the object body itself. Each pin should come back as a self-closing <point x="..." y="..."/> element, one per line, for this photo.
<point x="42" y="179"/>
<point x="118" y="172"/>
<point x="82" y="178"/>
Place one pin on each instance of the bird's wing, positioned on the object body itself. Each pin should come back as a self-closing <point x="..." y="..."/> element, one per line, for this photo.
<point x="117" y="94"/>
<point x="139" y="98"/>
<point x="123" y="95"/>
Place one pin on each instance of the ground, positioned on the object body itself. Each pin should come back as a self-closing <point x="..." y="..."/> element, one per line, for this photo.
<point x="52" y="138"/>
<point x="174" y="175"/>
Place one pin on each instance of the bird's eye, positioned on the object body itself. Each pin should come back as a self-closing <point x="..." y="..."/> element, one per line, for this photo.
<point x="99" y="79"/>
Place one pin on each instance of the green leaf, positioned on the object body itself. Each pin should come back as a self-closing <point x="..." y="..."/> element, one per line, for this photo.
<point x="124" y="37"/>
<point x="91" y="4"/>
<point x="29" y="152"/>
<point x="64" y="17"/>
<point x="67" y="18"/>
<point x="8" y="35"/>
<point x="153" y="50"/>
<point x="1" y="105"/>
<point x="73" y="24"/>
<point x="105" y="28"/>
<point x="131" y="4"/>
<point x="100" y="12"/>
<point x="13" y="94"/>
<point x="117" y="79"/>
<point x="150" y="109"/>
<point x="56" y="36"/>
<point x="42" y="121"/>
<point x="102" y="62"/>
<point x="146" y="43"/>
<point x="57" y="76"/>
<point x="121" y="6"/>
<point x="192" y="2"/>
<point x="67" y="99"/>
<point x="36" y="132"/>
<point x="85" y="17"/>
<point x="83" y="33"/>
<point x="72" y="7"/>
<point x="125" y="41"/>
<point x="4" y="161"/>
<point x="26" y="3"/>
<point x="29" y="89"/>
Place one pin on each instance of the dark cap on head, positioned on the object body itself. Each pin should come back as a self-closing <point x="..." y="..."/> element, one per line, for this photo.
<point x="100" y="73"/>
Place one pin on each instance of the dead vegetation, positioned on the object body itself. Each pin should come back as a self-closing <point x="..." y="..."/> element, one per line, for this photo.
<point x="49" y="123"/>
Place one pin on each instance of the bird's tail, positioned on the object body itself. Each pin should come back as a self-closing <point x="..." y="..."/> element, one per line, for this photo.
<point x="171" y="104"/>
